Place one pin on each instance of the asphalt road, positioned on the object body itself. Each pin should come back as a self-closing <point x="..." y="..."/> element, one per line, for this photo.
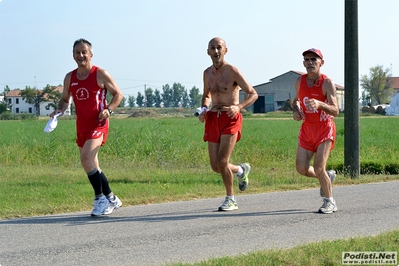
<point x="191" y="231"/>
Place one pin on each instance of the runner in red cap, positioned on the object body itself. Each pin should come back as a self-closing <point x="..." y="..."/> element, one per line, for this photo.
<point x="315" y="104"/>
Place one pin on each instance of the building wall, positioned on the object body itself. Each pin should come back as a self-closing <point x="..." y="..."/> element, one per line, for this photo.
<point x="273" y="94"/>
<point x="44" y="112"/>
<point x="19" y="106"/>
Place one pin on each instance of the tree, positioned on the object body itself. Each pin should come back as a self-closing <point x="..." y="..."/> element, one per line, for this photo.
<point x="150" y="98"/>
<point x="51" y="95"/>
<point x="185" y="100"/>
<point x="109" y="99"/>
<point x="195" y="97"/>
<point x="377" y="85"/>
<point x="167" y="96"/>
<point x="35" y="97"/>
<point x="158" y="98"/>
<point x="132" y="101"/>
<point x="123" y="102"/>
<point x="178" y="91"/>
<point x="140" y="99"/>
<point x="32" y="96"/>
<point x="4" y="104"/>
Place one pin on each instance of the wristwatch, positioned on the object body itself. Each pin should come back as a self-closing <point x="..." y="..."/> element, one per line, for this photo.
<point x="110" y="111"/>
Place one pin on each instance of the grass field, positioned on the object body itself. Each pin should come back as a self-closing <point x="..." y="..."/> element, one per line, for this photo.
<point x="152" y="160"/>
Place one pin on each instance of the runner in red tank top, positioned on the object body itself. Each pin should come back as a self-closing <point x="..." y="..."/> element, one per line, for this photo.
<point x="89" y="99"/>
<point x="315" y="104"/>
<point x="88" y="85"/>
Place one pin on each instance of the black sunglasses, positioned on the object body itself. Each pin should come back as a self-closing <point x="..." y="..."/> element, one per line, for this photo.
<point x="313" y="59"/>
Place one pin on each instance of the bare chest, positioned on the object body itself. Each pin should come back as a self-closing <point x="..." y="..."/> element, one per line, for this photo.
<point x="221" y="83"/>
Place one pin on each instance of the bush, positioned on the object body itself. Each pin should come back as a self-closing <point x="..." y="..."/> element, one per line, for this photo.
<point x="392" y="168"/>
<point x="10" y="116"/>
<point x="369" y="168"/>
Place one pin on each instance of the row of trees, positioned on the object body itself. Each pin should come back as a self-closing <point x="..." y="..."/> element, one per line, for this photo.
<point x="175" y="96"/>
<point x="171" y="96"/>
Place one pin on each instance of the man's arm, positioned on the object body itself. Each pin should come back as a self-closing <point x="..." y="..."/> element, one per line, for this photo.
<point x="298" y="113"/>
<point x="331" y="107"/>
<point x="106" y="81"/>
<point x="206" y="98"/>
<point x="65" y="97"/>
<point x="251" y="94"/>
<point x="206" y="95"/>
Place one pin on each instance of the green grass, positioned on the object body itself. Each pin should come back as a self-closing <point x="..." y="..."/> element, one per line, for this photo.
<point x="152" y="160"/>
<point x="325" y="253"/>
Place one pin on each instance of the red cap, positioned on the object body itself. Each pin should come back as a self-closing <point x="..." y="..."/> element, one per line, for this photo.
<point x="314" y="51"/>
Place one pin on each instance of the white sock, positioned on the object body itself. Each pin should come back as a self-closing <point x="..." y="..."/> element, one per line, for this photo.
<point x="231" y="197"/>
<point x="330" y="199"/>
<point x="240" y="171"/>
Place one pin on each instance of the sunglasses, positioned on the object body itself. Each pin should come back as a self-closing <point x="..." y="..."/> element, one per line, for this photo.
<point x="314" y="59"/>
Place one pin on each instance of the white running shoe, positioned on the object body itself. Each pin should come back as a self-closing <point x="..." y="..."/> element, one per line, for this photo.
<point x="100" y="205"/>
<point x="328" y="207"/>
<point x="243" y="180"/>
<point x="114" y="203"/>
<point x="332" y="175"/>
<point x="228" y="205"/>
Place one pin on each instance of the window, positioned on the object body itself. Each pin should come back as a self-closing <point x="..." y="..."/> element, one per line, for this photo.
<point x="17" y="110"/>
<point x="30" y="110"/>
<point x="9" y="100"/>
<point x="17" y="101"/>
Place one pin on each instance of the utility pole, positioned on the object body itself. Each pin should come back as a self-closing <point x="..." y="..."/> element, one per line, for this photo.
<point x="351" y="122"/>
<point x="145" y="95"/>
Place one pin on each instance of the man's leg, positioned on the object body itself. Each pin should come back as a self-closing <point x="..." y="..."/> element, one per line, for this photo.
<point x="318" y="170"/>
<point x="302" y="163"/>
<point x="88" y="154"/>
<point x="219" y="154"/>
<point x="322" y="154"/>
<point x="89" y="160"/>
<point x="320" y="161"/>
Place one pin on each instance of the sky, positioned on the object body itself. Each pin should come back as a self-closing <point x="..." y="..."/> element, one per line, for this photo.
<point x="150" y="43"/>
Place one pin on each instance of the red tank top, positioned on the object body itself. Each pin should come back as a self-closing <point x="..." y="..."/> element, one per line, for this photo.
<point x="314" y="92"/>
<point x="89" y="100"/>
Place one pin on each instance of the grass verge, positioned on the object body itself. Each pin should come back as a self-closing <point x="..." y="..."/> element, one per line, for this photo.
<point x="325" y="253"/>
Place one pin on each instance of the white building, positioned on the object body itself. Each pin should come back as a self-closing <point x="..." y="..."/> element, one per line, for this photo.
<point x="20" y="106"/>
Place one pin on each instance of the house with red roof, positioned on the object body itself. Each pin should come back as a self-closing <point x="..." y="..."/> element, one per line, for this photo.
<point x="20" y="106"/>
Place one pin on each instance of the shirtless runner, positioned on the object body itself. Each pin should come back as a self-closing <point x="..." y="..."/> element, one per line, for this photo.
<point x="223" y="119"/>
